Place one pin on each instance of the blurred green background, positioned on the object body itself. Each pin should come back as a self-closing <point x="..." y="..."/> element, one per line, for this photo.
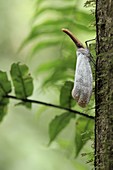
<point x="24" y="133"/>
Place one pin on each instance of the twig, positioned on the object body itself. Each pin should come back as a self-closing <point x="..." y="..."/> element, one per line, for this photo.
<point x="51" y="105"/>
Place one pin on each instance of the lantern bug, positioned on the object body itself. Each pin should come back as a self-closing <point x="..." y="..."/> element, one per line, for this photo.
<point x="82" y="89"/>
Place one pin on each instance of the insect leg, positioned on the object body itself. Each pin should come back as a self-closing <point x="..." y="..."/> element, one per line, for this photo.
<point x="91" y="57"/>
<point x="86" y="42"/>
<point x="92" y="60"/>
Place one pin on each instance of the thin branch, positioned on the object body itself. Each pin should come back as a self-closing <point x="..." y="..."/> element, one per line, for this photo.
<point x="51" y="105"/>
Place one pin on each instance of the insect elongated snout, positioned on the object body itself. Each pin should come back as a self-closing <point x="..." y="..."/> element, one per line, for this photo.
<point x="82" y="89"/>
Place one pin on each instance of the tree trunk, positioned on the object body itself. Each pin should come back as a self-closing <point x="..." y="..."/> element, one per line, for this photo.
<point x="104" y="86"/>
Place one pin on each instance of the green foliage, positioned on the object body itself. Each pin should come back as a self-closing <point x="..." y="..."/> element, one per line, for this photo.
<point x="59" y="70"/>
<point x="66" y="99"/>
<point x="48" y="20"/>
<point x="84" y="130"/>
<point x="23" y="84"/>
<point x="3" y="109"/>
<point x="58" y="124"/>
<point x="5" y="85"/>
<point x="90" y="3"/>
<point x="22" y="81"/>
<point x="5" y="88"/>
<point x="23" y="87"/>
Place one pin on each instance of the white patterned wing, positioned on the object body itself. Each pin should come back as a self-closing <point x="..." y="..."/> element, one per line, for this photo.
<point x="82" y="89"/>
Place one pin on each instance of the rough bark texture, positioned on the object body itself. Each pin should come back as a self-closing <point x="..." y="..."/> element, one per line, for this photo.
<point x="104" y="86"/>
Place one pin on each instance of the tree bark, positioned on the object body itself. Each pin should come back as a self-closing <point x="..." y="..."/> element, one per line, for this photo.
<point x="104" y="86"/>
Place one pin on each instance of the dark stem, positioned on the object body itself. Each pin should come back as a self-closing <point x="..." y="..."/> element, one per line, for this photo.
<point x="51" y="105"/>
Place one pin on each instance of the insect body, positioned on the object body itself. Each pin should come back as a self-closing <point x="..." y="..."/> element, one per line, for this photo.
<point x="82" y="89"/>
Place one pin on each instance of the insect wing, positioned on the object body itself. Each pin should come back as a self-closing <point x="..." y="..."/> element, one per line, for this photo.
<point x="83" y="78"/>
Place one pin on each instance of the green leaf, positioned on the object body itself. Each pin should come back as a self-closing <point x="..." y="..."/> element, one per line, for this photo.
<point x="58" y="6"/>
<point x="44" y="44"/>
<point x="66" y="99"/>
<point x="27" y="104"/>
<point x="3" y="107"/>
<point x="5" y="88"/>
<point x="3" y="111"/>
<point x="22" y="80"/>
<point x="59" y="70"/>
<point x="84" y="130"/>
<point x="5" y="85"/>
<point x="58" y="124"/>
